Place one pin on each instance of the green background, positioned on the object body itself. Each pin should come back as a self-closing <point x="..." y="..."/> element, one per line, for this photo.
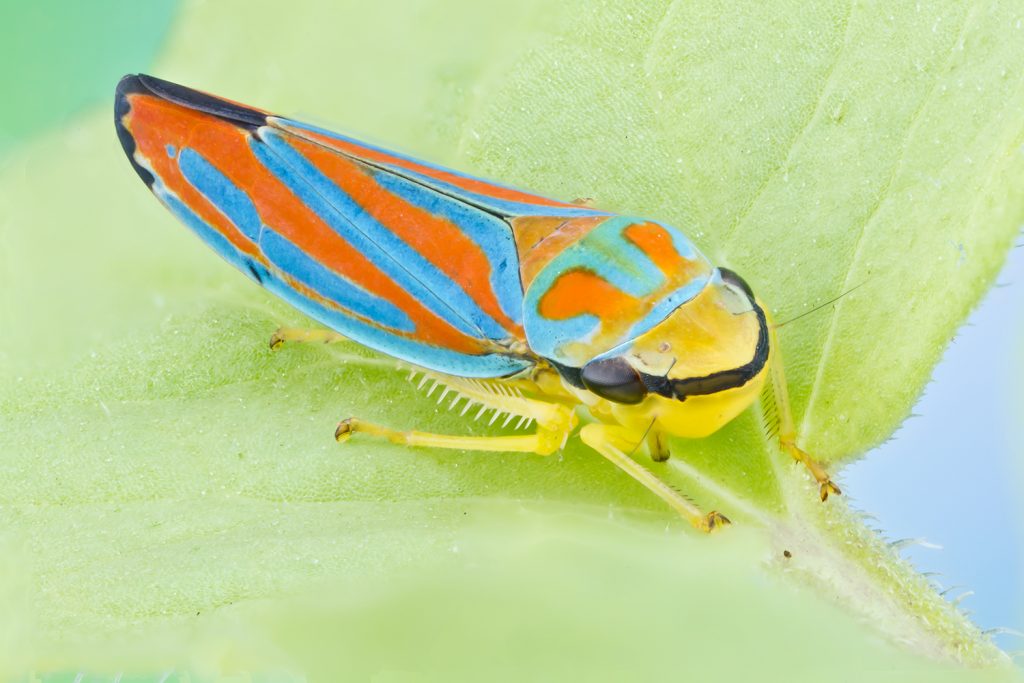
<point x="171" y="497"/>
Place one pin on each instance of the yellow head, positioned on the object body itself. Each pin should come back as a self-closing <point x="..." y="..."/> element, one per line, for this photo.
<point x="694" y="371"/>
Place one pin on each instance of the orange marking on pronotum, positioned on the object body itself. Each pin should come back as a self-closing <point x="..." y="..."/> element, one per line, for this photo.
<point x="656" y="243"/>
<point x="542" y="238"/>
<point x="578" y="292"/>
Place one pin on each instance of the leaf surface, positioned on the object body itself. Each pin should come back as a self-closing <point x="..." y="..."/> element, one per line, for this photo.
<point x="165" y="478"/>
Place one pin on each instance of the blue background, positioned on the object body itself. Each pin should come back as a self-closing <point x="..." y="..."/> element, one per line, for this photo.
<point x="952" y="473"/>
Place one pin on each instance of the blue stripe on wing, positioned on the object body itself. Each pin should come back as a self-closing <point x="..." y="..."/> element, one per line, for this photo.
<point x="502" y="206"/>
<point x="281" y="253"/>
<point x="491" y="234"/>
<point x="403" y="348"/>
<point x="286" y="258"/>
<point x="431" y="287"/>
<point x="208" y="234"/>
<point x="221" y="192"/>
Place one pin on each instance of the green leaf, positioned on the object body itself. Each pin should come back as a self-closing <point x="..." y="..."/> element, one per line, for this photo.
<point x="167" y="480"/>
<point x="41" y="39"/>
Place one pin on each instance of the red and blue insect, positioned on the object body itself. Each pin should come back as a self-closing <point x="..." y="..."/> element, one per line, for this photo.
<point x="533" y="308"/>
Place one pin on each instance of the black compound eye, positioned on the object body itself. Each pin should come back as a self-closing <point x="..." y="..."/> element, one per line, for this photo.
<point x="614" y="379"/>
<point x="735" y="280"/>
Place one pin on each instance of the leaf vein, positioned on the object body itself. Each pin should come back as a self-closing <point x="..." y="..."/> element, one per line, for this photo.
<point x="797" y="137"/>
<point x="869" y="220"/>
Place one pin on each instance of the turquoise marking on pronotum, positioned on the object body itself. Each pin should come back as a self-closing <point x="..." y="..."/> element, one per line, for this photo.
<point x="548" y="339"/>
<point x="544" y="335"/>
<point x="415" y="273"/>
<point x="289" y="259"/>
<point x="663" y="308"/>
<point x="492" y="235"/>
<point x="221" y="192"/>
<point x="684" y="247"/>
<point x="606" y="252"/>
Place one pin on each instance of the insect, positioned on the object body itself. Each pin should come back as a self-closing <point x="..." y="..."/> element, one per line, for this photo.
<point x="538" y="310"/>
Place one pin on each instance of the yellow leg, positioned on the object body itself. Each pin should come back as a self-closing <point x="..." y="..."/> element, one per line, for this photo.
<point x="657" y="444"/>
<point x="610" y="441"/>
<point x="475" y="397"/>
<point x="554" y="421"/>
<point x="298" y="334"/>
<point x="542" y="442"/>
<point x="787" y="430"/>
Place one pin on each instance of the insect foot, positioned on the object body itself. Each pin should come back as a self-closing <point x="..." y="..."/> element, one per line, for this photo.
<point x="713" y="521"/>
<point x="276" y="339"/>
<point x="344" y="431"/>
<point x="300" y="334"/>
<point x="825" y="484"/>
<point x="829" y="487"/>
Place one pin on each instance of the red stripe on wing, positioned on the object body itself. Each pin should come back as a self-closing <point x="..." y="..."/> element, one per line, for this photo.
<point x="439" y="240"/>
<point x="156" y="123"/>
<point x="469" y="184"/>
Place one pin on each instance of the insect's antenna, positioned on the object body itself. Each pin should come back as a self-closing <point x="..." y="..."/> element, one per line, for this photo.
<point x="821" y="306"/>
<point x="642" y="438"/>
<point x="665" y="376"/>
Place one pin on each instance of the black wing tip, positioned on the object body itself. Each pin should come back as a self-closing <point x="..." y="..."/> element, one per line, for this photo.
<point x="126" y="86"/>
<point x="237" y="114"/>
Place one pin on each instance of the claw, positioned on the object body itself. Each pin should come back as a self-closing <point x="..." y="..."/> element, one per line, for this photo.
<point x="276" y="340"/>
<point x="826" y="486"/>
<point x="344" y="431"/>
<point x="829" y="487"/>
<point x="715" y="520"/>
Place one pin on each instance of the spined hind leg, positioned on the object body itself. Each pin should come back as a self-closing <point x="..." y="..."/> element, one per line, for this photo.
<point x="554" y="421"/>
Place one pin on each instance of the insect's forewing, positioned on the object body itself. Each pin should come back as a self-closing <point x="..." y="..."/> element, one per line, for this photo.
<point x="407" y="258"/>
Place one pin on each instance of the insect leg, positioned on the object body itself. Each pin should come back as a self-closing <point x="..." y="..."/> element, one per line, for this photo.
<point x="299" y="334"/>
<point x="787" y="430"/>
<point x="542" y="442"/>
<point x="555" y="421"/>
<point x="657" y="444"/>
<point x="609" y="441"/>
